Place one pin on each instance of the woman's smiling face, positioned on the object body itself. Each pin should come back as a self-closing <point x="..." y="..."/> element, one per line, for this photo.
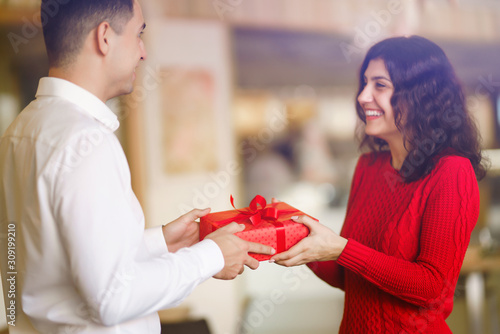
<point x="375" y="99"/>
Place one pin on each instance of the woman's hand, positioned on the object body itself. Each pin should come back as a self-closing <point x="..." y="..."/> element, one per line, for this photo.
<point x="322" y="244"/>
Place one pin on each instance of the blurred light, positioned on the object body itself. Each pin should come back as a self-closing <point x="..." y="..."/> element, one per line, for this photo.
<point x="338" y="116"/>
<point x="9" y="108"/>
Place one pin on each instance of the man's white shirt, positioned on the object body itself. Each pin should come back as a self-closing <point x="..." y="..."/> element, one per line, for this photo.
<point x="83" y="261"/>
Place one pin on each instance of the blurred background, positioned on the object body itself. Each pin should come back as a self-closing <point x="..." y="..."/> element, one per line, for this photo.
<point x="248" y="97"/>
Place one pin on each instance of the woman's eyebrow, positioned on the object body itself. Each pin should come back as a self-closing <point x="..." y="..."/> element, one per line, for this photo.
<point x="378" y="77"/>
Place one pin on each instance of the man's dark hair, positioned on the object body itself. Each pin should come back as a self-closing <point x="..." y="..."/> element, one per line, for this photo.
<point x="66" y="24"/>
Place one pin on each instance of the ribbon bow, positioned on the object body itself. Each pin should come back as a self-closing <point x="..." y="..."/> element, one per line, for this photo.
<point x="255" y="212"/>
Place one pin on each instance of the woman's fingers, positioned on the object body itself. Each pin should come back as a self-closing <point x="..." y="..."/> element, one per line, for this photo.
<point x="322" y="244"/>
<point x="306" y="220"/>
<point x="291" y="253"/>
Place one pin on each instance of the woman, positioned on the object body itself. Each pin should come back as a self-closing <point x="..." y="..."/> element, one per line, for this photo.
<point x="414" y="198"/>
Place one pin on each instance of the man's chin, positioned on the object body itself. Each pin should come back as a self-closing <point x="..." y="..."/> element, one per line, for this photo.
<point x="127" y="91"/>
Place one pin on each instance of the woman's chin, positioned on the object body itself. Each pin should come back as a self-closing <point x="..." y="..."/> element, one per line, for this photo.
<point x="370" y="132"/>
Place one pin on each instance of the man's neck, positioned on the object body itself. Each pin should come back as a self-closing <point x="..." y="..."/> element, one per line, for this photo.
<point x="81" y="78"/>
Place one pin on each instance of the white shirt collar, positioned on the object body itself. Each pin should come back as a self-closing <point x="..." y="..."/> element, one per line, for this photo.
<point x="50" y="86"/>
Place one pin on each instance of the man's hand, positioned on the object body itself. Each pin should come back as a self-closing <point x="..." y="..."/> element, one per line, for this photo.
<point x="235" y="251"/>
<point x="322" y="244"/>
<point x="184" y="231"/>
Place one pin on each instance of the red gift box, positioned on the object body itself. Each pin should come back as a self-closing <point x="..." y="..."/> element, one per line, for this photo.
<point x="268" y="224"/>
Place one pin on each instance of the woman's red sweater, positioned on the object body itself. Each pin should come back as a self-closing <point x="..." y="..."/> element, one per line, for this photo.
<point x="406" y="244"/>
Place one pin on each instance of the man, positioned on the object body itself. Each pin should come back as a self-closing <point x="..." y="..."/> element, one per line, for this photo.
<point x="75" y="255"/>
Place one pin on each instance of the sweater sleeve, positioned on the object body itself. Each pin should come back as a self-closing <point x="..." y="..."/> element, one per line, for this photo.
<point x="451" y="213"/>
<point x="330" y="271"/>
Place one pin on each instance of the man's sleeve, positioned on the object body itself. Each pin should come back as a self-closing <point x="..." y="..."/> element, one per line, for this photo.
<point x="121" y="271"/>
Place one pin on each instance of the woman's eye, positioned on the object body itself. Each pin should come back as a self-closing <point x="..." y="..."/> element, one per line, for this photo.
<point x="380" y="85"/>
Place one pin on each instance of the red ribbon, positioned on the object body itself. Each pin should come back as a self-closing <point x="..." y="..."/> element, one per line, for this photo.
<point x="257" y="211"/>
<point x="256" y="214"/>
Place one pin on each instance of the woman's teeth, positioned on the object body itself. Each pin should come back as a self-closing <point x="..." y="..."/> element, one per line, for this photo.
<point x="373" y="113"/>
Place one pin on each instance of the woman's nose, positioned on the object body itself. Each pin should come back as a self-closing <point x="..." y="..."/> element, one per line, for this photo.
<point x="365" y="95"/>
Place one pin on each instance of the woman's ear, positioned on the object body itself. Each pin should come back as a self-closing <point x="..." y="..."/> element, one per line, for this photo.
<point x="103" y="35"/>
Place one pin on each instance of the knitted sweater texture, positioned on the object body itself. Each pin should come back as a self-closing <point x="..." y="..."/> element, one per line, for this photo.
<point x="406" y="244"/>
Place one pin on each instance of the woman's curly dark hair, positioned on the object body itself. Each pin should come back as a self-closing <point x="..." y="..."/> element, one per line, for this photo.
<point x="429" y="106"/>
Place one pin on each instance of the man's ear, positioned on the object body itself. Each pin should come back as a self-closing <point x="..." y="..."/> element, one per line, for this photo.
<point x="103" y="33"/>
